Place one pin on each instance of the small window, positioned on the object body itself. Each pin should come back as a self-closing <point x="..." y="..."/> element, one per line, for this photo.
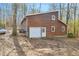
<point x="53" y="17"/>
<point x="63" y="28"/>
<point x="52" y="28"/>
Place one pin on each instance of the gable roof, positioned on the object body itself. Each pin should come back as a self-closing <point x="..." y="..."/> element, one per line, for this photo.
<point x="23" y="20"/>
<point x="40" y="13"/>
<point x="62" y="22"/>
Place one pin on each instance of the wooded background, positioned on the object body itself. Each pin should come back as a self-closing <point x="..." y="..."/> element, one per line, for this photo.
<point x="11" y="15"/>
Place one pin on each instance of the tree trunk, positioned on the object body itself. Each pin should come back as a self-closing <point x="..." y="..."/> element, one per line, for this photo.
<point x="39" y="8"/>
<point x="78" y="27"/>
<point x="67" y="18"/>
<point x="14" y="32"/>
<point x="68" y="15"/>
<point x="60" y="12"/>
<point x="24" y="9"/>
<point x="74" y="19"/>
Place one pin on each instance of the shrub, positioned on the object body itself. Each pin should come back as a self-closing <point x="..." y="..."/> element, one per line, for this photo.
<point x="71" y="35"/>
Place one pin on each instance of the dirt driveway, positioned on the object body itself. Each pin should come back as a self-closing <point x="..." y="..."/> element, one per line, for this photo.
<point x="22" y="46"/>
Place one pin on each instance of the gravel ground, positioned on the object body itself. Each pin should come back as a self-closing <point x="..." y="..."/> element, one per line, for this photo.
<point x="22" y="46"/>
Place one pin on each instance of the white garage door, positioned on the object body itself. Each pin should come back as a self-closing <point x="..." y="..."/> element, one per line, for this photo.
<point x="35" y="32"/>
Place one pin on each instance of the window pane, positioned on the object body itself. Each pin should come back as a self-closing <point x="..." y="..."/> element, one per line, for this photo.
<point x="53" y="17"/>
<point x="52" y="28"/>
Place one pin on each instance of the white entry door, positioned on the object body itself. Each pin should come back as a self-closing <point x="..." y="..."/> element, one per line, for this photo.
<point x="43" y="31"/>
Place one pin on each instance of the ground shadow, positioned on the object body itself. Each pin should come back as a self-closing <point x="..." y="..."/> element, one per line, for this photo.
<point x="58" y="45"/>
<point x="53" y="43"/>
<point x="18" y="48"/>
<point x="43" y="46"/>
<point x="42" y="43"/>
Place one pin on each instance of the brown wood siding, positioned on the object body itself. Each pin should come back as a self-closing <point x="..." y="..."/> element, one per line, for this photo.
<point x="44" y="20"/>
<point x="58" y="31"/>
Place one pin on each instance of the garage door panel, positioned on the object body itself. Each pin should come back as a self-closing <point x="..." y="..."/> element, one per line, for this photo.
<point x="35" y="32"/>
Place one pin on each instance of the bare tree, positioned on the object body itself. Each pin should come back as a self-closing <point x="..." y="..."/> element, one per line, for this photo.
<point x="53" y="7"/>
<point x="25" y="8"/>
<point x="68" y="15"/>
<point x="60" y="12"/>
<point x="0" y="13"/>
<point x="14" y="32"/>
<point x="78" y="26"/>
<point x="75" y="7"/>
<point x="39" y="9"/>
<point x="33" y="8"/>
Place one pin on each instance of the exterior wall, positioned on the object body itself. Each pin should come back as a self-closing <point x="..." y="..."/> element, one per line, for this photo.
<point x="41" y="19"/>
<point x="23" y="25"/>
<point x="44" y="20"/>
<point x="58" y="31"/>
